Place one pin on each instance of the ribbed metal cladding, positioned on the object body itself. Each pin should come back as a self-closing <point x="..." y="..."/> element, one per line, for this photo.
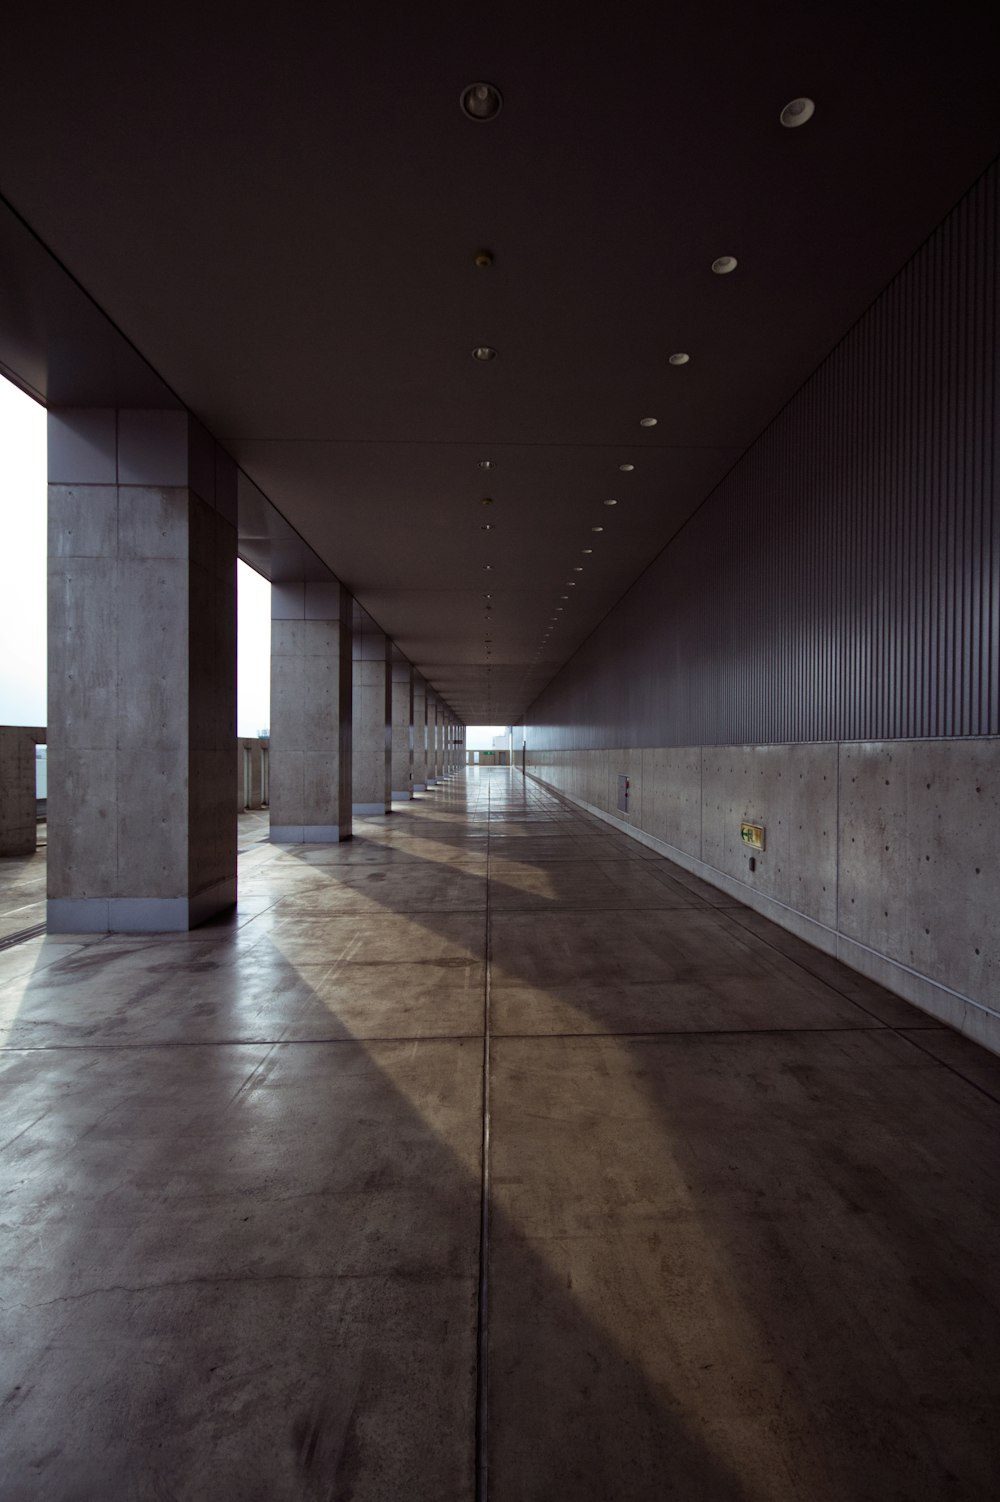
<point x="843" y="582"/>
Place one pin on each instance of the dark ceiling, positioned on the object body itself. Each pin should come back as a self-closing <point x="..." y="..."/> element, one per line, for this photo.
<point x="281" y="211"/>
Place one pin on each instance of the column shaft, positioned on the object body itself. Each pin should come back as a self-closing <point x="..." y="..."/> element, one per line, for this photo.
<point x="309" y="754"/>
<point x="372" y="719"/>
<point x="419" y="734"/>
<point x="142" y="672"/>
<point x="402" y="730"/>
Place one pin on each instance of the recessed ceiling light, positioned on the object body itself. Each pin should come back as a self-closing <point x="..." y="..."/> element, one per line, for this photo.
<point x="559" y="610"/>
<point x="611" y="503"/>
<point x="486" y="527"/>
<point x="647" y="422"/>
<point x="570" y="583"/>
<point x="481" y="101"/>
<point x="593" y="529"/>
<point x="679" y="359"/>
<point x="484" y="352"/>
<point x="625" y="468"/>
<point x="484" y="259"/>
<point x="578" y="567"/>
<point x="564" y="597"/>
<point x="486" y="464"/>
<point x="587" y="550"/>
<point x="797" y="112"/>
<point x="722" y="265"/>
<point x="487" y="567"/>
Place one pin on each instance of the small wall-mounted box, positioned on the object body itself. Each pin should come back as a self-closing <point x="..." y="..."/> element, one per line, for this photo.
<point x="752" y="836"/>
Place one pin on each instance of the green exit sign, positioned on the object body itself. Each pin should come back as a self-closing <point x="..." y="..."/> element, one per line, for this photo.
<point x="752" y="836"/>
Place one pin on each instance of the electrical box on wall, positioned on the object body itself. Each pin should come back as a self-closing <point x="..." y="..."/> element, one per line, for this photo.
<point x="752" y="836"/>
<point x="623" y="787"/>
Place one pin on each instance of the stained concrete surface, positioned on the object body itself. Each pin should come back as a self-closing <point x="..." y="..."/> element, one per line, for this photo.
<point x="742" y="1243"/>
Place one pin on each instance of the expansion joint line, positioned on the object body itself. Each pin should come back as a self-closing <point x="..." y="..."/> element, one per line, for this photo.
<point x="483" y="1323"/>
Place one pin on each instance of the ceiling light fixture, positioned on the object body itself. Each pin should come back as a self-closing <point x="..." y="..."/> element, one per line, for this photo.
<point x="564" y="597"/>
<point x="486" y="464"/>
<point x="797" y="112"/>
<point x="611" y="503"/>
<point x="484" y="352"/>
<point x="647" y="422"/>
<point x="487" y="500"/>
<point x="486" y="527"/>
<point x="578" y="567"/>
<point x="679" y="359"/>
<point x="722" y="266"/>
<point x="593" y="529"/>
<point x="487" y="567"/>
<point x="570" y="583"/>
<point x="484" y="259"/>
<point x="481" y="101"/>
<point x="586" y="550"/>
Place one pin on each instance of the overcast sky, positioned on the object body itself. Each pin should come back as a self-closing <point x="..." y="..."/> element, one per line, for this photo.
<point x="22" y="582"/>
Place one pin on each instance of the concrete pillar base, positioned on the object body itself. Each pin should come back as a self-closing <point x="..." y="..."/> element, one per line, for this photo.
<point x="369" y="810"/>
<point x="308" y="834"/>
<point x="403" y="797"/>
<point x="420" y="787"/>
<point x="138" y="915"/>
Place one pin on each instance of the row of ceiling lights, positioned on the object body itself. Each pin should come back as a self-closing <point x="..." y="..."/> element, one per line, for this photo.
<point x="483" y="101"/>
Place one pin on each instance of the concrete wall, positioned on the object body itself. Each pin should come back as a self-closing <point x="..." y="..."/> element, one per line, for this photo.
<point x="883" y="853"/>
<point x="18" y="808"/>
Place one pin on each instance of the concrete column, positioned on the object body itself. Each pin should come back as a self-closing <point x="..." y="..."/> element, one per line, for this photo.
<point x="433" y="731"/>
<point x="249" y="774"/>
<point x="419" y="734"/>
<point x="142" y="672"/>
<point x="18" y="804"/>
<point x="309" y="754"/>
<point x="402" y="730"/>
<point x="372" y="718"/>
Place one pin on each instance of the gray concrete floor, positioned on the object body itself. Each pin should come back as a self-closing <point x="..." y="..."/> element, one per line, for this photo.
<point x="743" y="1214"/>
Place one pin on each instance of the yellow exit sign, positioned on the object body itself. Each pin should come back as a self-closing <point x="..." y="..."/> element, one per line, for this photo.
<point x="752" y="836"/>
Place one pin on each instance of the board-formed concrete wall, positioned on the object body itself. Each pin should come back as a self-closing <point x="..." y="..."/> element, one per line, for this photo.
<point x="881" y="853"/>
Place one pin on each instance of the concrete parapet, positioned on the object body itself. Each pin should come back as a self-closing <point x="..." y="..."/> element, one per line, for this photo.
<point x="882" y="853"/>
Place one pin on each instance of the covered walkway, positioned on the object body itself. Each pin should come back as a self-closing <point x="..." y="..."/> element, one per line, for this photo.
<point x="741" y="1235"/>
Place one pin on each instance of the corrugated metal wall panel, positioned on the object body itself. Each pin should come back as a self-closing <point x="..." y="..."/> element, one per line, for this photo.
<point x="843" y="582"/>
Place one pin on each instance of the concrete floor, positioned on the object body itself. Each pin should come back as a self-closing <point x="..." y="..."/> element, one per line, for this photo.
<point x="743" y="1232"/>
